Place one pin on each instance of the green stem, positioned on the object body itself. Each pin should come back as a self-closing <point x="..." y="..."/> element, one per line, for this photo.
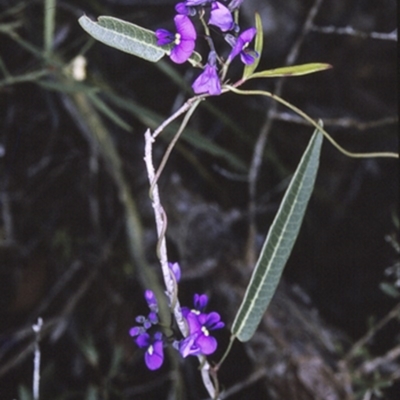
<point x="49" y="24"/>
<point x="312" y="122"/>
<point x="227" y="351"/>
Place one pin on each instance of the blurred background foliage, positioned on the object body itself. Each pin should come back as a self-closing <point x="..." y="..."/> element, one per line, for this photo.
<point x="77" y="230"/>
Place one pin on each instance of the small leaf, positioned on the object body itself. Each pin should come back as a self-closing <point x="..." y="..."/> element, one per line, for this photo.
<point x="258" y="47"/>
<point x="108" y="112"/>
<point x="279" y="243"/>
<point x="195" y="59"/>
<point x="294" y="70"/>
<point x="24" y="393"/>
<point x="124" y="36"/>
<point x="390" y="290"/>
<point x="92" y="393"/>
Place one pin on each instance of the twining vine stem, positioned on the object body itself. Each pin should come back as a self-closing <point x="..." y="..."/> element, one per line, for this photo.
<point x="210" y="381"/>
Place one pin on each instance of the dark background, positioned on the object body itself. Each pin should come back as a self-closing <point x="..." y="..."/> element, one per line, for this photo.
<point x="65" y="254"/>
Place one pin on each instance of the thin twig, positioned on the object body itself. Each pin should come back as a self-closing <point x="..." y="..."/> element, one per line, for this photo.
<point x="371" y="365"/>
<point x="348" y="30"/>
<point x="339" y="122"/>
<point x="36" y="360"/>
<point x="178" y="113"/>
<point x="385" y="154"/>
<point x="394" y="313"/>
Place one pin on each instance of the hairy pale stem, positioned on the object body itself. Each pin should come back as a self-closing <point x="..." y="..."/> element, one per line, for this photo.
<point x="161" y="224"/>
<point x="36" y="360"/>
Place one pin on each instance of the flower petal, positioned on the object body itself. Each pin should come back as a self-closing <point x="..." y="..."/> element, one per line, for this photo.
<point x="208" y="82"/>
<point x="181" y="52"/>
<point x="193" y="322"/>
<point x="221" y="17"/>
<point x="247" y="58"/>
<point x="188" y="346"/>
<point x="200" y="301"/>
<point x="185" y="28"/>
<point x="143" y="340"/>
<point x="176" y="269"/>
<point x="164" y="37"/>
<point x="242" y="42"/>
<point x="135" y="331"/>
<point x="182" y="8"/>
<point x="248" y="35"/>
<point x="154" y="355"/>
<point x="207" y="344"/>
<point x="151" y="300"/>
<point x="211" y="319"/>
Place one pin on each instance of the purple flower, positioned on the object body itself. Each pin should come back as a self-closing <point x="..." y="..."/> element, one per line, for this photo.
<point x="151" y="300"/>
<point x="221" y="17"/>
<point x="199" y="340"/>
<point x="136" y="331"/>
<point x="208" y="81"/>
<point x="154" y="355"/>
<point x="200" y="324"/>
<point x="176" y="269"/>
<point x="247" y="55"/>
<point x="200" y="302"/>
<point x="198" y="2"/>
<point x="151" y="319"/>
<point x="184" y="39"/>
<point x="182" y="8"/>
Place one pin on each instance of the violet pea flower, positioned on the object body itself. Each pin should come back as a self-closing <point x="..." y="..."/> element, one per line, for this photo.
<point x="176" y="270"/>
<point x="221" y="17"/>
<point x="208" y="81"/>
<point x="151" y="300"/>
<point x="200" y="302"/>
<point x="199" y="340"/>
<point x="246" y="55"/>
<point x="184" y="9"/>
<point x="184" y="39"/>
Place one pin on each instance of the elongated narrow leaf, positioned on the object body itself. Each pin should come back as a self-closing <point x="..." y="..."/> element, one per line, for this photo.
<point x="124" y="36"/>
<point x="279" y="243"/>
<point x="294" y="70"/>
<point x="258" y="47"/>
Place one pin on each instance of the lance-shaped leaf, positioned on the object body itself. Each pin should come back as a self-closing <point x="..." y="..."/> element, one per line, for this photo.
<point x="279" y="243"/>
<point x="124" y="36"/>
<point x="258" y="47"/>
<point x="294" y="70"/>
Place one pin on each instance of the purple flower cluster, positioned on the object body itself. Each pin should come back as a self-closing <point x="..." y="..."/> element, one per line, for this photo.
<point x="153" y="344"/>
<point x="200" y="324"/>
<point x="184" y="40"/>
<point x="198" y="342"/>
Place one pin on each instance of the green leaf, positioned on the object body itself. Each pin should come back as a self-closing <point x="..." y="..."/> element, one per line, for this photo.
<point x="258" y="47"/>
<point x="108" y="112"/>
<point x="294" y="70"/>
<point x="389" y="289"/>
<point x="124" y="36"/>
<point x="92" y="393"/>
<point x="24" y="393"/>
<point x="279" y="243"/>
